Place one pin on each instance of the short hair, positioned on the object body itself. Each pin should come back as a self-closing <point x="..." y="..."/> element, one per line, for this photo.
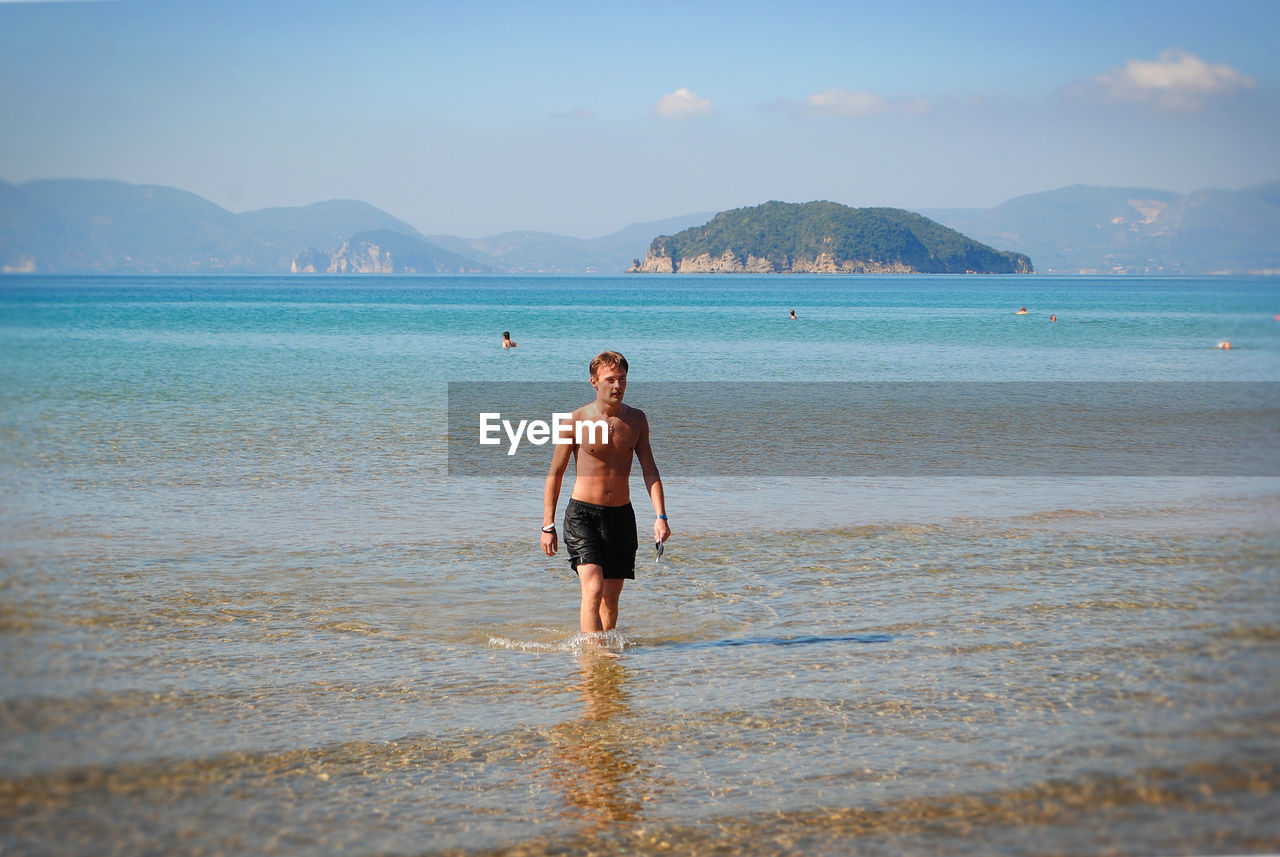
<point x="608" y="358"/>
<point x="506" y="334"/>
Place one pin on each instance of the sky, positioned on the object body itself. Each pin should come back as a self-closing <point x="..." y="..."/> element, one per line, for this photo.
<point x="475" y="118"/>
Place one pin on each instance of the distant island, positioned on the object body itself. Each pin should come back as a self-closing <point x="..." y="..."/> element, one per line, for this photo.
<point x="824" y="237"/>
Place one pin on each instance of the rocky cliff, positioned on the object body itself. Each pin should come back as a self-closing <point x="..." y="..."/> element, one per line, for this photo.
<point x="364" y="258"/>
<point x="729" y="263"/>
<point x="384" y="252"/>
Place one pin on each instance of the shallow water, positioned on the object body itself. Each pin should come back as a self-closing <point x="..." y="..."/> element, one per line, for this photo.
<point x="243" y="607"/>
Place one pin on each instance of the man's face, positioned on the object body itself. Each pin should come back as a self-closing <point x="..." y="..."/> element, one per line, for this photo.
<point x="610" y="383"/>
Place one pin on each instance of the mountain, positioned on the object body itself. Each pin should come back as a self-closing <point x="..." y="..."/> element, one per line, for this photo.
<point x="1108" y="230"/>
<point x="75" y="225"/>
<point x="824" y="237"/>
<point x="322" y="227"/>
<point x="543" y="252"/>
<point x="91" y="226"/>
<point x="384" y="251"/>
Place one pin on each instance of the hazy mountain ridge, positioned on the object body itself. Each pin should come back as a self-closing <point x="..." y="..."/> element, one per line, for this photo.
<point x="94" y="226"/>
<point x="1108" y="230"/>
<point x="99" y="226"/>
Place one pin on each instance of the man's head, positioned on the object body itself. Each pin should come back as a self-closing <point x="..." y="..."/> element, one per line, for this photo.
<point x="609" y="359"/>
<point x="609" y="377"/>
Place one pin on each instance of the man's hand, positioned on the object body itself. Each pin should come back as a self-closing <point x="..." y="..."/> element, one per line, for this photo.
<point x="549" y="543"/>
<point x="661" y="532"/>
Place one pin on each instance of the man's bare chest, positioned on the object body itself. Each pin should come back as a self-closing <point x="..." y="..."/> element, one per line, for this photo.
<point x="617" y="444"/>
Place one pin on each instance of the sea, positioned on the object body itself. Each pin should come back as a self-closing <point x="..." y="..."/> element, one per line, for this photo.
<point x="247" y="606"/>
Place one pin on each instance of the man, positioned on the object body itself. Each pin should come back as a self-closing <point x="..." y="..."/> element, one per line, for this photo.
<point x="599" y="523"/>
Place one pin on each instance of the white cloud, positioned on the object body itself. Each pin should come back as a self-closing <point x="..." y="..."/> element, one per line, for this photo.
<point x="857" y="104"/>
<point x="843" y="102"/>
<point x="1176" y="80"/>
<point x="682" y="104"/>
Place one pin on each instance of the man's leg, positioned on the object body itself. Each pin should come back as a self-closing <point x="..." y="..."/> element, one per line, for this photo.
<point x="609" y="604"/>
<point x="591" y="579"/>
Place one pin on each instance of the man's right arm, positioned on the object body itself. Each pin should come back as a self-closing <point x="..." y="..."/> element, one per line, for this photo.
<point x="551" y="496"/>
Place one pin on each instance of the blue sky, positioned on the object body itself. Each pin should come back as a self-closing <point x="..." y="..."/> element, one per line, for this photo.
<point x="580" y="118"/>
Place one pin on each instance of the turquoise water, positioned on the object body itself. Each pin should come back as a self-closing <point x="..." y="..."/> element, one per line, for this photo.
<point x="246" y="608"/>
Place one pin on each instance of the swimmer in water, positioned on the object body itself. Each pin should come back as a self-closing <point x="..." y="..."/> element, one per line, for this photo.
<point x="1225" y="345"/>
<point x="1022" y="311"/>
<point x="506" y="340"/>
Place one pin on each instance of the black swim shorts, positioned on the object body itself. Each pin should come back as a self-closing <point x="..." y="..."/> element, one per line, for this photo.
<point x="603" y="536"/>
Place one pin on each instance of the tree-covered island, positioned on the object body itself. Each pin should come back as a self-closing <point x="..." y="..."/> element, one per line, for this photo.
<point x="825" y="237"/>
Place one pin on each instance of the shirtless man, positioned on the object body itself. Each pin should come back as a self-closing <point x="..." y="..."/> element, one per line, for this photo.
<point x="599" y="523"/>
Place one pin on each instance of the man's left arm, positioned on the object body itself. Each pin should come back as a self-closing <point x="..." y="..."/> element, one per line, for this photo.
<point x="653" y="484"/>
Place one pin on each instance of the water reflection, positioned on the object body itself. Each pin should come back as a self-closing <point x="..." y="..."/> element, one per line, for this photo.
<point x="595" y="765"/>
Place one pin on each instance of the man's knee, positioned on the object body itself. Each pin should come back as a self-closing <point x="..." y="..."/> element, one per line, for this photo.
<point x="591" y="577"/>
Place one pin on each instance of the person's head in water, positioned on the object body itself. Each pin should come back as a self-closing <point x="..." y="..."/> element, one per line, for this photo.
<point x="506" y="340"/>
